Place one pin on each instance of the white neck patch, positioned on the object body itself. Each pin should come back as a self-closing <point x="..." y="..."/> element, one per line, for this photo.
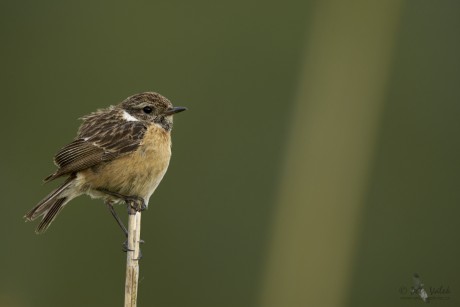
<point x="128" y="117"/>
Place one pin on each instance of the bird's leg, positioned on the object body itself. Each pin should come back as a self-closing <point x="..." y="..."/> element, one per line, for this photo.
<point x="135" y="203"/>
<point x="120" y="223"/>
<point x="129" y="202"/>
<point x="117" y="218"/>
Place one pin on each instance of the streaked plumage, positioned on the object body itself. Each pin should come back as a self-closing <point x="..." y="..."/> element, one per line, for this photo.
<point x="124" y="149"/>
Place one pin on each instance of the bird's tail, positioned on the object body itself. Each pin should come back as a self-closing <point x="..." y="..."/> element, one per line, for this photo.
<point x="50" y="206"/>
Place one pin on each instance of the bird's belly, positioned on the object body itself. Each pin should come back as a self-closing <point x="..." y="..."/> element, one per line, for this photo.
<point x="137" y="174"/>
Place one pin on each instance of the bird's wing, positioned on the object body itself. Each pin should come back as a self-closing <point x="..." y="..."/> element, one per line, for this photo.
<point x="99" y="140"/>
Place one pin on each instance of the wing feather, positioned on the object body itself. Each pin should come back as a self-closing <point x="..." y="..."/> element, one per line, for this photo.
<point x="102" y="137"/>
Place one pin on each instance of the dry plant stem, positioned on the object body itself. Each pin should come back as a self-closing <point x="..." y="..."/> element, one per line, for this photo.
<point x="132" y="258"/>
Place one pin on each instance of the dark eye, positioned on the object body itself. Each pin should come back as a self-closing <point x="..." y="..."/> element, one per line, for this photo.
<point x="147" y="110"/>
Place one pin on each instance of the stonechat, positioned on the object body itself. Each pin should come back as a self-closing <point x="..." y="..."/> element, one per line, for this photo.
<point x="120" y="154"/>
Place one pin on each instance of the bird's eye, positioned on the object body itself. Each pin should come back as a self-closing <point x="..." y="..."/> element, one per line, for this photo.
<point x="147" y="110"/>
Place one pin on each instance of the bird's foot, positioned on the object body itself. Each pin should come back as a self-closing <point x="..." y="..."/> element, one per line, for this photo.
<point x="126" y="249"/>
<point x="135" y="204"/>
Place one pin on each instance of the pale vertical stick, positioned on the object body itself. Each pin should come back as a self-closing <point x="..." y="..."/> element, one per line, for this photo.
<point x="132" y="259"/>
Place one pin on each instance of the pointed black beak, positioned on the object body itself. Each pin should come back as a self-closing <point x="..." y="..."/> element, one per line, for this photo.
<point x="174" y="110"/>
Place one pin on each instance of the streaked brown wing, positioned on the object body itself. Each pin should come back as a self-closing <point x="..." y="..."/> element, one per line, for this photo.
<point x="100" y="139"/>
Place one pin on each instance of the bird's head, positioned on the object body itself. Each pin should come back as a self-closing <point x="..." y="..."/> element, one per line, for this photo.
<point x="150" y="107"/>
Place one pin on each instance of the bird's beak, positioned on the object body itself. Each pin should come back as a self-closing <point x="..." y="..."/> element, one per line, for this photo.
<point x="174" y="110"/>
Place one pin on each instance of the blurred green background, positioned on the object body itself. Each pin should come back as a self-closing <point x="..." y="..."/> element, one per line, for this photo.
<point x="318" y="164"/>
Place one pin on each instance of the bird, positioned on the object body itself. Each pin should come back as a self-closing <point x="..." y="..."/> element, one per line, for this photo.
<point x="120" y="154"/>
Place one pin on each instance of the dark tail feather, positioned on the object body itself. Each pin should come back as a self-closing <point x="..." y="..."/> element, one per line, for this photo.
<point x="51" y="214"/>
<point x="49" y="206"/>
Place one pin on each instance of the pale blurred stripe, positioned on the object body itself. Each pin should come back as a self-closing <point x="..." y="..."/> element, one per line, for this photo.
<point x="329" y="153"/>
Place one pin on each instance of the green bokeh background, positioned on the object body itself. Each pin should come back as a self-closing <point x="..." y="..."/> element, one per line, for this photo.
<point x="236" y="66"/>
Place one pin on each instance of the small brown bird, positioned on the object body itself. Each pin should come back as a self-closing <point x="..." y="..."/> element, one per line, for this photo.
<point x="121" y="153"/>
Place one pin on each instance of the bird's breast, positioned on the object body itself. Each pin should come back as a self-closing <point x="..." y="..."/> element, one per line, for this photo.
<point x="139" y="173"/>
